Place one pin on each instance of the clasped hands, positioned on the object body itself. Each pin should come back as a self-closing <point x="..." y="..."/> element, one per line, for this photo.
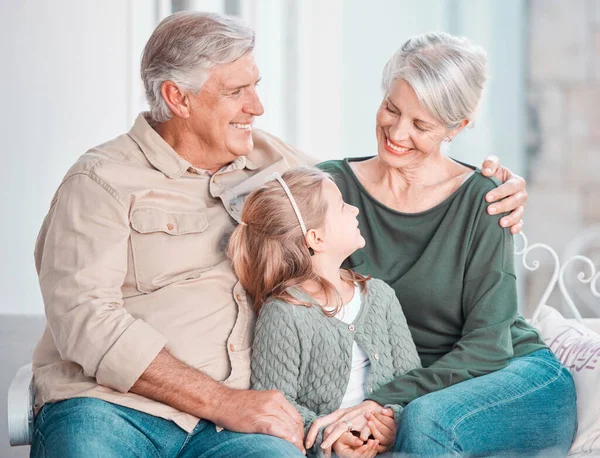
<point x="361" y="431"/>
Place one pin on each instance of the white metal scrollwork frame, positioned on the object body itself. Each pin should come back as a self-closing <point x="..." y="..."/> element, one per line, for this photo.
<point x="586" y="243"/>
<point x="558" y="275"/>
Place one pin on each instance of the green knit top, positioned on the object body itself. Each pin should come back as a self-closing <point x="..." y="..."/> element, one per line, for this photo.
<point x="452" y="269"/>
<point x="307" y="355"/>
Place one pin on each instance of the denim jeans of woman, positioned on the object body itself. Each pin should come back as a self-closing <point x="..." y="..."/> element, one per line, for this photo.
<point x="526" y="409"/>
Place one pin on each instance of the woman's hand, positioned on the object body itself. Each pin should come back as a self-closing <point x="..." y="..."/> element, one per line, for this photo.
<point x="382" y="427"/>
<point x="336" y="423"/>
<point x="349" y="446"/>
<point x="511" y="196"/>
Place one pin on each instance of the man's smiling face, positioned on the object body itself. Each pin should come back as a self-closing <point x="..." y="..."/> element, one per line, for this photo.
<point x="223" y="112"/>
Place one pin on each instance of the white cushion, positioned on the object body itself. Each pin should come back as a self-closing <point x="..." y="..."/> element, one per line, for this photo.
<point x="578" y="348"/>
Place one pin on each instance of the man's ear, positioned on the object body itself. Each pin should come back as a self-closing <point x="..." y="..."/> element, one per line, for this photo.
<point x="177" y="101"/>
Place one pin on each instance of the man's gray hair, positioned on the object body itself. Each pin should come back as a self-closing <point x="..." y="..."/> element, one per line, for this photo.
<point x="447" y="73"/>
<point x="183" y="49"/>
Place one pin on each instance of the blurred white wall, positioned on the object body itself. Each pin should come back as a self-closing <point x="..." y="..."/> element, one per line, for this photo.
<point x="322" y="64"/>
<point x="70" y="74"/>
<point x="371" y="35"/>
<point x="65" y="84"/>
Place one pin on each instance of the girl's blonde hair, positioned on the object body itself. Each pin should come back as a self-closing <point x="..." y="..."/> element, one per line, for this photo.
<point x="269" y="251"/>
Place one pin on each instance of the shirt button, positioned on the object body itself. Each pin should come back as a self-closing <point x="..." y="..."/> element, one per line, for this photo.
<point x="214" y="179"/>
<point x="231" y="347"/>
<point x="351" y="327"/>
<point x="238" y="297"/>
<point x="376" y="356"/>
<point x="170" y="227"/>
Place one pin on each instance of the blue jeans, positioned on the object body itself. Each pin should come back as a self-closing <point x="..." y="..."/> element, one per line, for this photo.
<point x="526" y="409"/>
<point x="88" y="427"/>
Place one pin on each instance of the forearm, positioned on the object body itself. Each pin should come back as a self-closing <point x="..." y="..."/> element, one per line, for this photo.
<point x="489" y="304"/>
<point x="481" y="351"/>
<point x="418" y="382"/>
<point x="82" y="262"/>
<point x="172" y="382"/>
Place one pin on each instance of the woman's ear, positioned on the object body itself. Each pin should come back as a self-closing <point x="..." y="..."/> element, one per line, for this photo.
<point x="453" y="133"/>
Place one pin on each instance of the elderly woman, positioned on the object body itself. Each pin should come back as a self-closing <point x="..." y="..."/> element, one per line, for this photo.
<point x="488" y="384"/>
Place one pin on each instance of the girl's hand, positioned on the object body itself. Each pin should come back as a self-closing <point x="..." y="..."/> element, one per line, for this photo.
<point x="349" y="446"/>
<point x="319" y="423"/>
<point x="382" y="427"/>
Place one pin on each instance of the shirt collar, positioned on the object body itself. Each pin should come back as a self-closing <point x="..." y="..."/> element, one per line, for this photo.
<point x="158" y="152"/>
<point x="242" y="162"/>
<point x="165" y="159"/>
<point x="255" y="159"/>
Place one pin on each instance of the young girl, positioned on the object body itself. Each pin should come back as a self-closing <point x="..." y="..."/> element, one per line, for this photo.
<point x="325" y="337"/>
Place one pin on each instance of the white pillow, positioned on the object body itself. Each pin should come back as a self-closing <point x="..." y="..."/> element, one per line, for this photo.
<point x="578" y="348"/>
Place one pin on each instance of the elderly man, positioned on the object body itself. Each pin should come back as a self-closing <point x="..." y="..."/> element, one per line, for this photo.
<point x="147" y="348"/>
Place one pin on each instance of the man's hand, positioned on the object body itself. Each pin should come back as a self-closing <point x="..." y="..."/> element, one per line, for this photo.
<point x="174" y="383"/>
<point x="336" y="423"/>
<point x="382" y="427"/>
<point x="349" y="446"/>
<point x="262" y="412"/>
<point x="511" y="196"/>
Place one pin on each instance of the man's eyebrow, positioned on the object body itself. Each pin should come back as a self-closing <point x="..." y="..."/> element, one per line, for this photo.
<point x="235" y="88"/>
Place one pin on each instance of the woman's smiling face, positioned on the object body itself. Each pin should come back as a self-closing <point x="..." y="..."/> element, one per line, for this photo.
<point x="406" y="131"/>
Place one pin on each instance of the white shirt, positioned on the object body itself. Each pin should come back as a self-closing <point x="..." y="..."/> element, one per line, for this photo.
<point x="355" y="391"/>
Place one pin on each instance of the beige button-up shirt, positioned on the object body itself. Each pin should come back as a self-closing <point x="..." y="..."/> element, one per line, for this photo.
<point x="131" y="259"/>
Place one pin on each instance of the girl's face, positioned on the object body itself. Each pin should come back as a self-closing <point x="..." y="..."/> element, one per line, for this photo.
<point x="340" y="237"/>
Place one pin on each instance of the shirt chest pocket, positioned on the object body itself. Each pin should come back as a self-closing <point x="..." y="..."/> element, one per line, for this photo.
<point x="168" y="247"/>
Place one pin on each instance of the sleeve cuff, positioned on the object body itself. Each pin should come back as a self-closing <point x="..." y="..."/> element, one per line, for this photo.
<point x="130" y="356"/>
<point x="397" y="411"/>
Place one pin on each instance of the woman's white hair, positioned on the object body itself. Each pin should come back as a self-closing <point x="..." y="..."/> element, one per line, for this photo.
<point x="183" y="49"/>
<point x="447" y="73"/>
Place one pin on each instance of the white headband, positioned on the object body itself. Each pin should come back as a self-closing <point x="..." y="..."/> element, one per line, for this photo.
<point x="277" y="176"/>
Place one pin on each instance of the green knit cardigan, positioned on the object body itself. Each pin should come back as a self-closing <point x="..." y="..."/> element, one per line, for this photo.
<point x="307" y="356"/>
